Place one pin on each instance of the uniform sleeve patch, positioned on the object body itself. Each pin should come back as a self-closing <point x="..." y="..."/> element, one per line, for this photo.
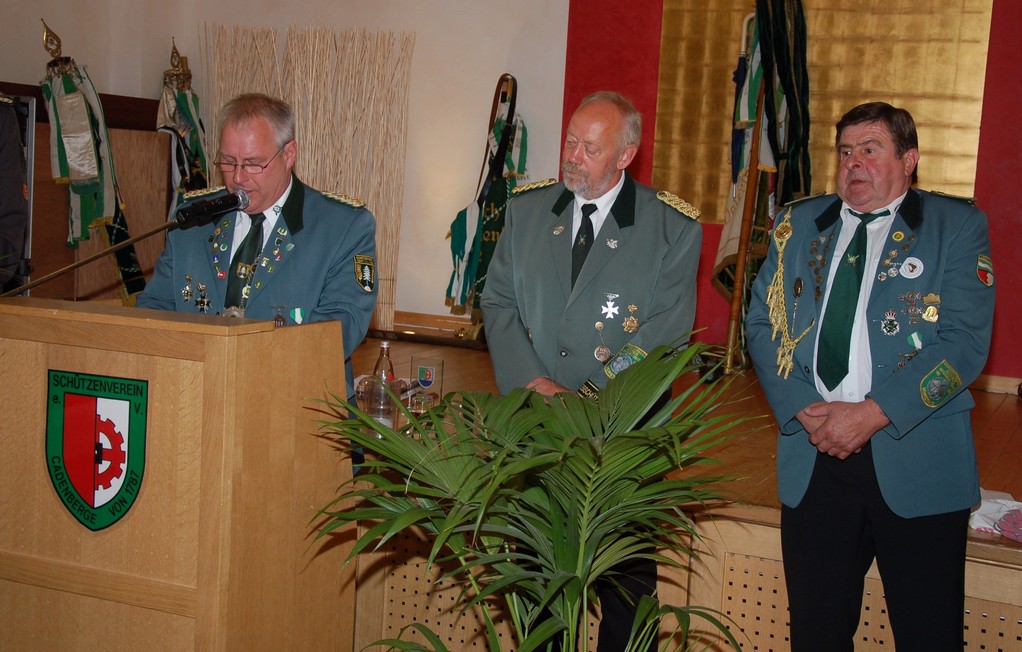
<point x="679" y="204"/>
<point x="202" y="192"/>
<point x="939" y="384"/>
<point x="985" y="270"/>
<point x="347" y="200"/>
<point x="517" y="190"/>
<point x="365" y="272"/>
<point x="628" y="355"/>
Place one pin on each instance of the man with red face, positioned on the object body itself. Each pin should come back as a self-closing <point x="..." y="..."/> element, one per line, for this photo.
<point x="560" y="321"/>
<point x="311" y="257"/>
<point x="869" y="319"/>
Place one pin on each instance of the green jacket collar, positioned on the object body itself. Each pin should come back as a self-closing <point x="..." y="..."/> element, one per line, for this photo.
<point x="292" y="210"/>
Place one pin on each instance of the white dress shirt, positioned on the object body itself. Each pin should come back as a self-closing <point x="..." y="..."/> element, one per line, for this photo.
<point x="854" y="387"/>
<point x="603" y="205"/>
<point x="272" y="216"/>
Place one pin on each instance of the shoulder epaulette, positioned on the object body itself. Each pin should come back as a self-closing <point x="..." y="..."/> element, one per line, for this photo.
<point x="6" y="100"/>
<point x="971" y="201"/>
<point x="348" y="200"/>
<point x="679" y="204"/>
<point x="796" y="202"/>
<point x="532" y="186"/>
<point x="202" y="192"/>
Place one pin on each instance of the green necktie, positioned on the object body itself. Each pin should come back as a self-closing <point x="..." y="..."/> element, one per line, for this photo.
<point x="243" y="262"/>
<point x="836" y="331"/>
<point x="583" y="241"/>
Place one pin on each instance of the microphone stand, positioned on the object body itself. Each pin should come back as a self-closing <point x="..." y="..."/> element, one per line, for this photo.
<point x="170" y="224"/>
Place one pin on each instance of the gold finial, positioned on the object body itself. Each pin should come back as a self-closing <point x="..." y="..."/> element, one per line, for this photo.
<point x="175" y="56"/>
<point x="178" y="75"/>
<point x="58" y="65"/>
<point x="51" y="41"/>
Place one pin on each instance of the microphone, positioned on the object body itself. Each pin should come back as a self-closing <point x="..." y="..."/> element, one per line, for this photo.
<point x="195" y="212"/>
<point x="202" y="211"/>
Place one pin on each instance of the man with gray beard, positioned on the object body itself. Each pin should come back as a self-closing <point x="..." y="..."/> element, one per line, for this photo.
<point x="588" y="276"/>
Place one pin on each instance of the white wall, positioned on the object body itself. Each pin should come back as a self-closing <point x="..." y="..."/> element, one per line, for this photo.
<point x="461" y="49"/>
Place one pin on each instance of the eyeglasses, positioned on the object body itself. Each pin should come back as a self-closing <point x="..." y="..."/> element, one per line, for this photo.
<point x="249" y="168"/>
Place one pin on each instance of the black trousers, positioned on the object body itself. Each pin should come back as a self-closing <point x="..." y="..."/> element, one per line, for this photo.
<point x="619" y="596"/>
<point x="830" y="540"/>
<point x="637" y="578"/>
<point x="634" y="579"/>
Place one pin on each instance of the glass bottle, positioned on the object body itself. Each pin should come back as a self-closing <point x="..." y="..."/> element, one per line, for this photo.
<point x="375" y="401"/>
<point x="384" y="369"/>
<point x="371" y="394"/>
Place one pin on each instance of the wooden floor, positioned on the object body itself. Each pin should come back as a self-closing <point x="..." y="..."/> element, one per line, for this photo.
<point x="750" y="451"/>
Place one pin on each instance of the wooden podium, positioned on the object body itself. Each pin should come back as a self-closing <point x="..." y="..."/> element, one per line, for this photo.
<point x="216" y="551"/>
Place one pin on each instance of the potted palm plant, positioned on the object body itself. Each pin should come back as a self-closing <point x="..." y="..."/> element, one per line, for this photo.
<point x="532" y="500"/>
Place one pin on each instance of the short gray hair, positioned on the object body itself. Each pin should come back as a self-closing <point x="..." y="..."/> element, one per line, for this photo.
<point x="247" y="106"/>
<point x="632" y="133"/>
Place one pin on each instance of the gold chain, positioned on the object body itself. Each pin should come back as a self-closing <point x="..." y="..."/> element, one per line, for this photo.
<point x="778" y="310"/>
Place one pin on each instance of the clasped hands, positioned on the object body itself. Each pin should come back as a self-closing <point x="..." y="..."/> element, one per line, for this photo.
<point x="840" y="429"/>
<point x="547" y="387"/>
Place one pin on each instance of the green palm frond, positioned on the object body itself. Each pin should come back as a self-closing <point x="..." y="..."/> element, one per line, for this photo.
<point x="531" y="500"/>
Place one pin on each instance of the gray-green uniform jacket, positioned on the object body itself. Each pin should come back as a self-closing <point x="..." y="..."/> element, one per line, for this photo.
<point x="929" y="318"/>
<point x="639" y="282"/>
<point x="318" y="266"/>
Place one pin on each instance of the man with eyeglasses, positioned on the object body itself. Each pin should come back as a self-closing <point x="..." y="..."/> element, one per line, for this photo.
<point x="310" y="257"/>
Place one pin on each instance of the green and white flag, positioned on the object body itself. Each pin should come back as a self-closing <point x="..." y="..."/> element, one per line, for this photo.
<point x="81" y="157"/>
<point x="179" y="116"/>
<point x="80" y="153"/>
<point x="477" y="227"/>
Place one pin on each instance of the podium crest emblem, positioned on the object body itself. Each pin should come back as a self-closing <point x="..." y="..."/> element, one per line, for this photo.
<point x="95" y="444"/>
<point x="427" y="376"/>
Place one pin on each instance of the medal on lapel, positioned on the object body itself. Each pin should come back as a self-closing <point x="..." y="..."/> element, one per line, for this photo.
<point x="202" y="303"/>
<point x="602" y="352"/>
<point x="631" y="324"/>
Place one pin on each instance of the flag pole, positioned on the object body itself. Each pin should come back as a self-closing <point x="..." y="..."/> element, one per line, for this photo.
<point x="84" y="261"/>
<point x="733" y="348"/>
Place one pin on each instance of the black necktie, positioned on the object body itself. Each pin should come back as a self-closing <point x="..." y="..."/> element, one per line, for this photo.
<point x="583" y="241"/>
<point x="243" y="262"/>
<point x="836" y="331"/>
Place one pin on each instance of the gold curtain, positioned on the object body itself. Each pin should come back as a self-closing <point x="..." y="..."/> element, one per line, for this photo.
<point x="350" y="94"/>
<point x="927" y="57"/>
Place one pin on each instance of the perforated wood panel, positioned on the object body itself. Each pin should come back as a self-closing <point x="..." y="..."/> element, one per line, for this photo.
<point x="748" y="586"/>
<point x="415" y="595"/>
<point x="992" y="626"/>
<point x="395" y="590"/>
<point x="874" y="631"/>
<point x="755" y="597"/>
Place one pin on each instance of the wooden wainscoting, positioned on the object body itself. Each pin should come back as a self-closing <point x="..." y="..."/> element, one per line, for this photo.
<point x="739" y="572"/>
